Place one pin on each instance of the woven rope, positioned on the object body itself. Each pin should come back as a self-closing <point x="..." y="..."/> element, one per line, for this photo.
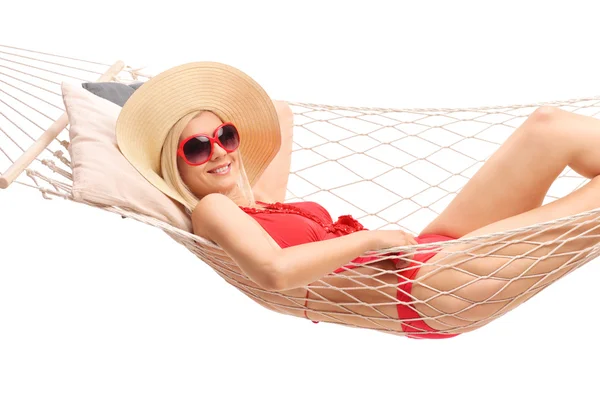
<point x="389" y="168"/>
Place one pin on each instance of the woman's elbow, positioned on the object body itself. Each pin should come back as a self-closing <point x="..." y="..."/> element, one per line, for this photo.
<point x="272" y="278"/>
<point x="271" y="283"/>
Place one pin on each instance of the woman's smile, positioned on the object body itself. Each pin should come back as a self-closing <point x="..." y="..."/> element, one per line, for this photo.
<point x="223" y="170"/>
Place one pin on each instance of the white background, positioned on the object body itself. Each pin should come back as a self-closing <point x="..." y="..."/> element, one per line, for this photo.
<point x="95" y="307"/>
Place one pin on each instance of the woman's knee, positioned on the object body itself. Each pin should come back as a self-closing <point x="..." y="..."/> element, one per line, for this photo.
<point x="539" y="120"/>
<point x="544" y="115"/>
<point x="538" y="131"/>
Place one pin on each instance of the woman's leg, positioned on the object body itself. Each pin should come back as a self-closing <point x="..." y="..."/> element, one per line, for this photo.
<point x="518" y="175"/>
<point x="499" y="278"/>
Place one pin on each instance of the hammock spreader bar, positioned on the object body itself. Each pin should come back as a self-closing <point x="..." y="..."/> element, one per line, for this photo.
<point x="49" y="135"/>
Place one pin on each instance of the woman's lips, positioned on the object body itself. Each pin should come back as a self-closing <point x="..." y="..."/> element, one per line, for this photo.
<point x="222" y="170"/>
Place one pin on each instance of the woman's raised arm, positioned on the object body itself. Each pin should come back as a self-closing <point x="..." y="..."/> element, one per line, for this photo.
<point x="272" y="183"/>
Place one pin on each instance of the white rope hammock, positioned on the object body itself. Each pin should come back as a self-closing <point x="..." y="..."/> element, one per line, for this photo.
<point x="389" y="168"/>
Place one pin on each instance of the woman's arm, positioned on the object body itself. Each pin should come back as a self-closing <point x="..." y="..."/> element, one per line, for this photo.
<point x="219" y="219"/>
<point x="272" y="184"/>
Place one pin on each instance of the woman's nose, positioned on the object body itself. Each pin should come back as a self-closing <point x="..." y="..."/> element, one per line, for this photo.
<point x="218" y="151"/>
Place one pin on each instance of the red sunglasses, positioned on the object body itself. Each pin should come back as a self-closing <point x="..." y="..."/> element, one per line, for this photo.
<point x="198" y="149"/>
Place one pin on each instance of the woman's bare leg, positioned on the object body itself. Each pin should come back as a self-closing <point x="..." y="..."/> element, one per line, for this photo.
<point x="495" y="278"/>
<point x="518" y="175"/>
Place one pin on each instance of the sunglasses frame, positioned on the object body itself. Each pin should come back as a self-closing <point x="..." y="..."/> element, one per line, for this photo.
<point x="212" y="139"/>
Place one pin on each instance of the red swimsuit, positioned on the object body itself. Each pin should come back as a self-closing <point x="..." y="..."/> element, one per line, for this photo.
<point x="297" y="223"/>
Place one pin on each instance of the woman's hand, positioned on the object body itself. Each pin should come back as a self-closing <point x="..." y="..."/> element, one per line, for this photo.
<point x="384" y="238"/>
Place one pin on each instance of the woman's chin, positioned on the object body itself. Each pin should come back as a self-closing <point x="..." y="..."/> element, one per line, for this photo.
<point x="223" y="184"/>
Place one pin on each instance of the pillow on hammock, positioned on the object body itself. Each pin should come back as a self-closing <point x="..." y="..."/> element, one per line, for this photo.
<point x="101" y="174"/>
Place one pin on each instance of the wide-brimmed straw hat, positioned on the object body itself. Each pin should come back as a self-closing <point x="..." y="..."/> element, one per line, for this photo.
<point x="158" y="104"/>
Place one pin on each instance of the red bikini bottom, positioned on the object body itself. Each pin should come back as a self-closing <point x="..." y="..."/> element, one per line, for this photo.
<point x="417" y="327"/>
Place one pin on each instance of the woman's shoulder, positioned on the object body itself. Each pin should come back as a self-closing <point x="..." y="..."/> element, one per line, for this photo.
<point x="212" y="209"/>
<point x="209" y="201"/>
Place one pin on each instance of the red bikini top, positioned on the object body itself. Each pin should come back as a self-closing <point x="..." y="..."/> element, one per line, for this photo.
<point x="291" y="224"/>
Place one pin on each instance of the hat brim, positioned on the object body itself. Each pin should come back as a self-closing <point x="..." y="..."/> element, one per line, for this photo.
<point x="233" y="96"/>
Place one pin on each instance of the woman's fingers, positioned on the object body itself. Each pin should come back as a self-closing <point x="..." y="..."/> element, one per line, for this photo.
<point x="410" y="239"/>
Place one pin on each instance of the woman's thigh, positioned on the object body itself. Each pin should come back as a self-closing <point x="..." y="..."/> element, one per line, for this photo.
<point x="514" y="180"/>
<point x="490" y="272"/>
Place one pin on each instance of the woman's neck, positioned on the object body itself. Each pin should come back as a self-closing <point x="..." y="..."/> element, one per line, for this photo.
<point x="237" y="196"/>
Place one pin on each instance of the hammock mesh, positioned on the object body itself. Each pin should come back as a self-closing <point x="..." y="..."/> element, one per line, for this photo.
<point x="389" y="168"/>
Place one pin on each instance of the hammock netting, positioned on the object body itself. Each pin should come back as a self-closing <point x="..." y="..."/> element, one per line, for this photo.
<point x="389" y="168"/>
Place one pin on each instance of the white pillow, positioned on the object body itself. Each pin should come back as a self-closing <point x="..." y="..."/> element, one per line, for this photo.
<point x="101" y="174"/>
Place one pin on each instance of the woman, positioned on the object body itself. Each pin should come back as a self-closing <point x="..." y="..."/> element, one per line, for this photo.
<point x="187" y="129"/>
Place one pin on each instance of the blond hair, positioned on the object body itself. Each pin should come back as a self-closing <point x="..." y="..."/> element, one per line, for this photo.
<point x="170" y="171"/>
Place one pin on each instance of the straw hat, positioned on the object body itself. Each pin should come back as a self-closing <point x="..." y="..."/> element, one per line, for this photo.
<point x="158" y="104"/>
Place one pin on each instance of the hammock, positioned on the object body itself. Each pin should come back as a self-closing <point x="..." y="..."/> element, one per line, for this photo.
<point x="389" y="168"/>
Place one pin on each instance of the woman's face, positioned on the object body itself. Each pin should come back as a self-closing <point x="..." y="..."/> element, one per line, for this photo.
<point x="203" y="179"/>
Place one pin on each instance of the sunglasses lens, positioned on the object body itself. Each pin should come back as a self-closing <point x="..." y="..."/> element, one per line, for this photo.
<point x="197" y="150"/>
<point x="229" y="137"/>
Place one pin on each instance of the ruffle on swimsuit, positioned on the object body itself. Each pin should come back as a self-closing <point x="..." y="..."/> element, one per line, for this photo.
<point x="345" y="224"/>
